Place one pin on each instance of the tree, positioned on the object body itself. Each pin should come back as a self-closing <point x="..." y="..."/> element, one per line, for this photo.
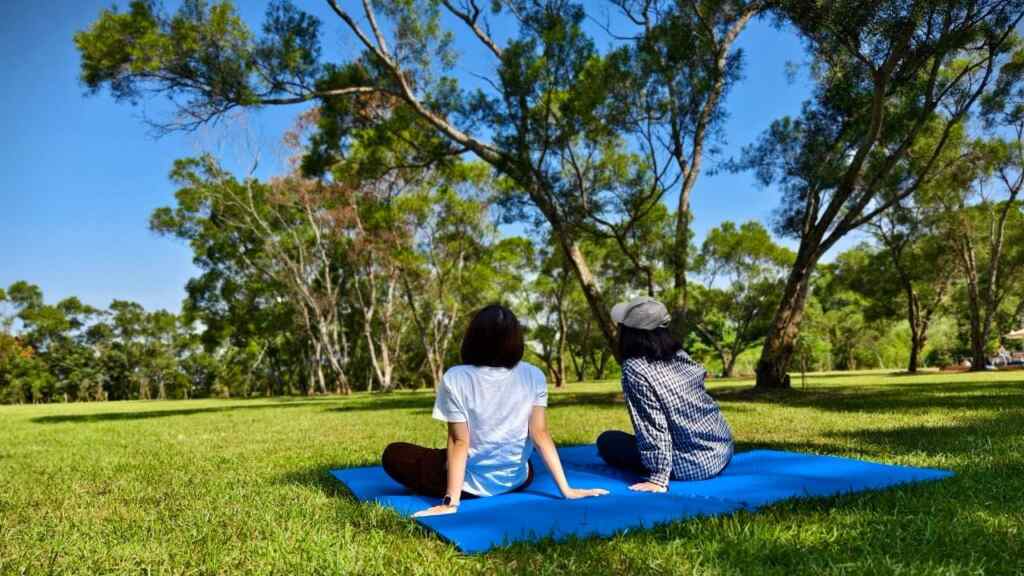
<point x="447" y="269"/>
<point x="548" y="297"/>
<point x="856" y="296"/>
<point x="742" y="269"/>
<point x="129" y="328"/>
<point x="672" y="80"/>
<point x="983" y="219"/>
<point x="895" y="81"/>
<point x="916" y="255"/>
<point x="288" y="232"/>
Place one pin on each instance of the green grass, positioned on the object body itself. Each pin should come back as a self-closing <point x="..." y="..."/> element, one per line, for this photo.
<point x="210" y="486"/>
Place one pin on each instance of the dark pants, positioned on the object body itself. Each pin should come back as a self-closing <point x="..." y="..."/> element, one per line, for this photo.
<point x="619" y="450"/>
<point x="425" y="470"/>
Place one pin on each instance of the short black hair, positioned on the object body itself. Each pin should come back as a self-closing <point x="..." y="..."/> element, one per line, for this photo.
<point x="657" y="344"/>
<point x="494" y="337"/>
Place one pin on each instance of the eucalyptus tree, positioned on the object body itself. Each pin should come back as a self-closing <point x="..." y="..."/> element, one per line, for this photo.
<point x="983" y="220"/>
<point x="916" y="267"/>
<point x="672" y="78"/>
<point x="547" y="311"/>
<point x="894" y="81"/>
<point x="288" y="233"/>
<point x="128" y="323"/>
<point x="449" y="262"/>
<point x="743" y="271"/>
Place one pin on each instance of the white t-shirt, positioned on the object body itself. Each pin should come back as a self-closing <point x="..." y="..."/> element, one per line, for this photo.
<point x="496" y="404"/>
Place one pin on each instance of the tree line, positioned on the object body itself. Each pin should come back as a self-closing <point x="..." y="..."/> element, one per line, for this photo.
<point x="373" y="295"/>
<point x="912" y="136"/>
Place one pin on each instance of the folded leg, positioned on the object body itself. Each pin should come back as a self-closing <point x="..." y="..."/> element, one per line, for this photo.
<point x="619" y="450"/>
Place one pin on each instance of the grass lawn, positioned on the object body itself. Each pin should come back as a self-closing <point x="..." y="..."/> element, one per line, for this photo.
<point x="241" y="486"/>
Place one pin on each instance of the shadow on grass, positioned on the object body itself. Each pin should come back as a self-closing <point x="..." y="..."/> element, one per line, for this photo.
<point x="827" y="376"/>
<point x="888" y="397"/>
<point x="588" y="399"/>
<point x="386" y="402"/>
<point x="318" y="478"/>
<point x="973" y="437"/>
<point x="119" y="416"/>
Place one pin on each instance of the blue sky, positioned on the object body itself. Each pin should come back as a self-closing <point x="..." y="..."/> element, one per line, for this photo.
<point x="79" y="176"/>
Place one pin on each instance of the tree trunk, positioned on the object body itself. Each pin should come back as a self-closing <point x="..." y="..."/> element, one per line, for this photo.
<point x="978" y="357"/>
<point x="730" y="366"/>
<point x="592" y="292"/>
<point x="563" y="327"/>
<point x="690" y="170"/>
<point x="577" y="366"/>
<point x="680" y="261"/>
<point x="779" y="345"/>
<point x="560" y="360"/>
<point x="602" y="365"/>
<point x="915" y="350"/>
<point x="974" y="305"/>
<point x="914" y="318"/>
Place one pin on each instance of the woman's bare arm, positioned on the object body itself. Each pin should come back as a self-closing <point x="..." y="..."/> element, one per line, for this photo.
<point x="546" y="447"/>
<point x="458" y="452"/>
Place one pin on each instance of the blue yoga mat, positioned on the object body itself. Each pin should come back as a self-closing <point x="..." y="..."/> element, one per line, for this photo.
<point x="752" y="480"/>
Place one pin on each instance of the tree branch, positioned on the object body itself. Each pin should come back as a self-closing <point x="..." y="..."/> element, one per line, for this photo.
<point x="471" y="20"/>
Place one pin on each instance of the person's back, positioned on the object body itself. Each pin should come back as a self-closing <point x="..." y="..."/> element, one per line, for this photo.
<point x="701" y="439"/>
<point x="680" y="431"/>
<point x="495" y="403"/>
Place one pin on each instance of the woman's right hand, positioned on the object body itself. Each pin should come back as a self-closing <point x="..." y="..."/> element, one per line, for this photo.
<point x="439" y="510"/>
<point x="577" y="493"/>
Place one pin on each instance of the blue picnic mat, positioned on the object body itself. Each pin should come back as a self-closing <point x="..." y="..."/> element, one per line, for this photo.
<point x="752" y="480"/>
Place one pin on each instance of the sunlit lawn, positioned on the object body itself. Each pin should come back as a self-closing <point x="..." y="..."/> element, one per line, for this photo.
<point x="241" y="486"/>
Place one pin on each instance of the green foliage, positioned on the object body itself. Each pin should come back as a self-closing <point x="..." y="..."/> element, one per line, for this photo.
<point x="69" y="351"/>
<point x="743" y="272"/>
<point x="203" y="56"/>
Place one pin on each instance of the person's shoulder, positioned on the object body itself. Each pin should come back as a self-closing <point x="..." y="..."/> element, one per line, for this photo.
<point x="635" y="364"/>
<point x="527" y="369"/>
<point x="458" y="373"/>
<point x="531" y="374"/>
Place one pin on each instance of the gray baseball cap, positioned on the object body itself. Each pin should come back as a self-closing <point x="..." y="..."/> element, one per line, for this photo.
<point x="642" y="313"/>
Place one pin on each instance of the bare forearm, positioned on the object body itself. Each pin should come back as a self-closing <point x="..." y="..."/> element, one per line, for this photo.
<point x="458" y="452"/>
<point x="546" y="446"/>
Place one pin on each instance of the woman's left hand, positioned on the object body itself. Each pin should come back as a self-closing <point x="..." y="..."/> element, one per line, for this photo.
<point x="439" y="510"/>
<point x="648" y="487"/>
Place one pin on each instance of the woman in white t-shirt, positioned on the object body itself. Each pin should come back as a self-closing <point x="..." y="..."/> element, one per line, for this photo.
<point x="494" y="406"/>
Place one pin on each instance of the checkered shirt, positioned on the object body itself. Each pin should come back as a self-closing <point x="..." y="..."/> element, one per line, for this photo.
<point x="679" y="429"/>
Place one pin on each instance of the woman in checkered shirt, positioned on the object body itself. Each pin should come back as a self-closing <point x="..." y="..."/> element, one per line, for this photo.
<point x="680" y="431"/>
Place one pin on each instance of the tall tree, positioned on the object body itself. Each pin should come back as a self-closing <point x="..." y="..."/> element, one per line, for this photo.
<point x="984" y="221"/>
<point x="287" y="232"/>
<point x="743" y="271"/>
<point x="447" y="267"/>
<point x="673" y="78"/>
<point x="917" y="257"/>
<point x="895" y="81"/>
